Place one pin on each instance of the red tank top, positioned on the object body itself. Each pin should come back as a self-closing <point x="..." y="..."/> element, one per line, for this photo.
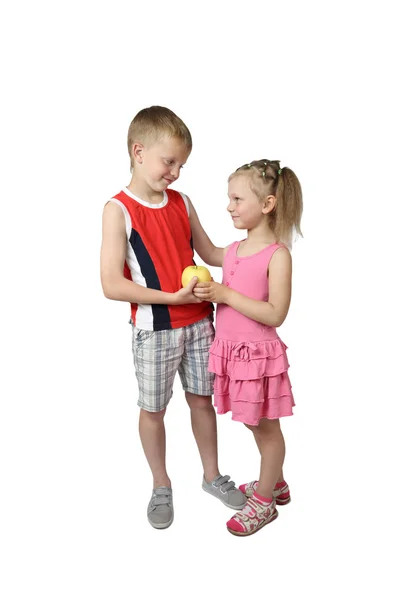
<point x="159" y="247"/>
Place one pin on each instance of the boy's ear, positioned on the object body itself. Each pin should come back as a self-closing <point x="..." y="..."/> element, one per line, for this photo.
<point x="268" y="204"/>
<point x="137" y="152"/>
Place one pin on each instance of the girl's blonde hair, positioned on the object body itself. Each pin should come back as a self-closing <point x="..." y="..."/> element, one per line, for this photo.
<point x="267" y="178"/>
<point x="150" y="124"/>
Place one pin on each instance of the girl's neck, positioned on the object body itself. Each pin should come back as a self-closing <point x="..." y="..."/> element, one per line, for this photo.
<point x="261" y="235"/>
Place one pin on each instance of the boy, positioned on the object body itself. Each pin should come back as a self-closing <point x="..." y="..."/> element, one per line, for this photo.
<point x="147" y="242"/>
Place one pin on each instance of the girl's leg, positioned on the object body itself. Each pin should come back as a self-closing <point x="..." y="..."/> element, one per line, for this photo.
<point x="271" y="444"/>
<point x="258" y="437"/>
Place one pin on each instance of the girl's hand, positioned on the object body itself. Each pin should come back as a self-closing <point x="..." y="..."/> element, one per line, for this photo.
<point x="211" y="291"/>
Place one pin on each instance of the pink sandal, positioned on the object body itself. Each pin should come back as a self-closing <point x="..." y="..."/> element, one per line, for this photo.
<point x="280" y="494"/>
<point x="255" y="515"/>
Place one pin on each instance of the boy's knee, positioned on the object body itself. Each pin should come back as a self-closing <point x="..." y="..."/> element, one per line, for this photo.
<point x="146" y="415"/>
<point x="197" y="402"/>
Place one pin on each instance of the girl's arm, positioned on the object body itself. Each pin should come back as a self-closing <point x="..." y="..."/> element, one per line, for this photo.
<point x="204" y="247"/>
<point x="273" y="312"/>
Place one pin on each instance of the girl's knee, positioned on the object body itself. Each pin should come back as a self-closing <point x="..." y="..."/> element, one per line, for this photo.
<point x="266" y="427"/>
<point x="270" y="427"/>
<point x="252" y="428"/>
<point x="270" y="423"/>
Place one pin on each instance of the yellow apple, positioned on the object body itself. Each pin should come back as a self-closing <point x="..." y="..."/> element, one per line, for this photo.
<point x="202" y="274"/>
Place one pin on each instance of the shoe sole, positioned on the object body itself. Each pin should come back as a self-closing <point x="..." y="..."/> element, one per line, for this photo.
<point x="283" y="502"/>
<point x="225" y="503"/>
<point x="161" y="525"/>
<point x="247" y="533"/>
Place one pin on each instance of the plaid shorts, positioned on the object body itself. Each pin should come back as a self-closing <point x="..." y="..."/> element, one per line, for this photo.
<point x="158" y="355"/>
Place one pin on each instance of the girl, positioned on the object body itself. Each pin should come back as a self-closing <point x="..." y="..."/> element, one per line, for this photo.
<point x="248" y="357"/>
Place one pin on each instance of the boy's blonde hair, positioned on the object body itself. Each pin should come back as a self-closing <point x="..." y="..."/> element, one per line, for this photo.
<point x="268" y="178"/>
<point x="151" y="124"/>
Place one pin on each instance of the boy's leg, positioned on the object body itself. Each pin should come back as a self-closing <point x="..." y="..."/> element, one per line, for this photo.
<point x="204" y="427"/>
<point x="152" y="436"/>
<point x="157" y="355"/>
<point x="198" y="384"/>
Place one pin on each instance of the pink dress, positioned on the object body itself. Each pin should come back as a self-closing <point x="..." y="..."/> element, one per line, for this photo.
<point x="248" y="358"/>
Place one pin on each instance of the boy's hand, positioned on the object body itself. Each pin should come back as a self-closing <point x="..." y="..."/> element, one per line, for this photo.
<point x="185" y="295"/>
<point x="211" y="292"/>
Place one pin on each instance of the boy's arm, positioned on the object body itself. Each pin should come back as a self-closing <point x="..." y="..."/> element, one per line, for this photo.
<point x="112" y="260"/>
<point x="204" y="247"/>
<point x="273" y="312"/>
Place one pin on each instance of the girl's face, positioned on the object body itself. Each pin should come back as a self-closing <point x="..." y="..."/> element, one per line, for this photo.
<point x="245" y="208"/>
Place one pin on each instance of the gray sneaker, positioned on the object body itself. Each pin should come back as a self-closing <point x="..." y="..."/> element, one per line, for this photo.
<point x="224" y="489"/>
<point x="160" y="511"/>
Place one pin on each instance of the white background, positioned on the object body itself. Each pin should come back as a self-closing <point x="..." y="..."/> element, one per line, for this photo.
<point x="310" y="83"/>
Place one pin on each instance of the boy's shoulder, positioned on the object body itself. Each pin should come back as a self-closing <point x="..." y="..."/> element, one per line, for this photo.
<point x="120" y="195"/>
<point x="175" y="193"/>
<point x="178" y="196"/>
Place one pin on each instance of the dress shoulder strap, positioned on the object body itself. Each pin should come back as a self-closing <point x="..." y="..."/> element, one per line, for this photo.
<point x="231" y="252"/>
<point x="272" y="249"/>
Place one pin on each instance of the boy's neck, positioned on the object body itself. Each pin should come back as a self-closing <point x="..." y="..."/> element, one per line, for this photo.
<point x="144" y="192"/>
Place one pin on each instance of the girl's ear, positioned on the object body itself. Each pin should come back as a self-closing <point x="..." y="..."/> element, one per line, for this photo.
<point x="137" y="152"/>
<point x="268" y="204"/>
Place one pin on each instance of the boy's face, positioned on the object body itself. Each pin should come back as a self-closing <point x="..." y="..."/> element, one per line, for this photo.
<point x="160" y="163"/>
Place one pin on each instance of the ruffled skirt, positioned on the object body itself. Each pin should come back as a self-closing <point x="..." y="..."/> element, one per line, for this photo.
<point x="251" y="379"/>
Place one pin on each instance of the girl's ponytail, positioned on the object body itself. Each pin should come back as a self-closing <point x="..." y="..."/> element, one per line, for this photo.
<point x="286" y="217"/>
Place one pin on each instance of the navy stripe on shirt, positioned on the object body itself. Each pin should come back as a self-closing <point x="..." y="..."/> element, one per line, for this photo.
<point x="161" y="316"/>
